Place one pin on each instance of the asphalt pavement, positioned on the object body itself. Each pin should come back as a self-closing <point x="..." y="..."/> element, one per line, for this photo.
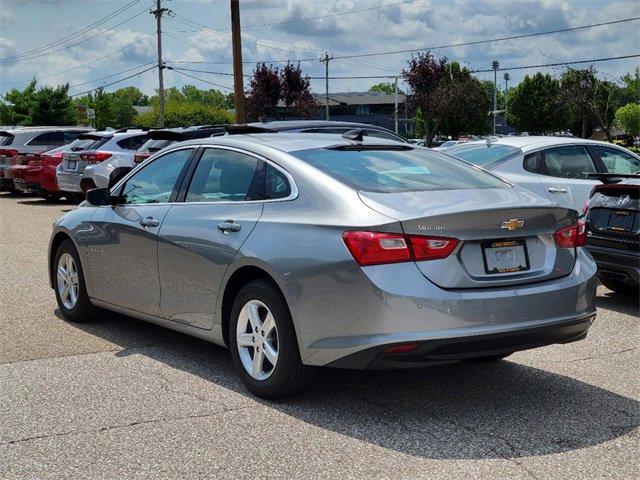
<point x="119" y="398"/>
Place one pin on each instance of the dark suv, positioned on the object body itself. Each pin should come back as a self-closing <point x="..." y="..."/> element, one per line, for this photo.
<point x="328" y="126"/>
<point x="613" y="238"/>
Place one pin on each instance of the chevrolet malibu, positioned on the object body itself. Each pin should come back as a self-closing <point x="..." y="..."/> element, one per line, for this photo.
<point x="325" y="250"/>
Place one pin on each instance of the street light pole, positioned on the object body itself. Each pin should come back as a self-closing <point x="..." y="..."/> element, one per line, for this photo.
<point x="236" y="46"/>
<point x="325" y="60"/>
<point x="507" y="77"/>
<point x="395" y="103"/>
<point x="158" y="14"/>
<point x="495" y="64"/>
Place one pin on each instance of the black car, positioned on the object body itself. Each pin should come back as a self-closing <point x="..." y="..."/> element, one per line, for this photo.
<point x="328" y="126"/>
<point x="613" y="231"/>
<point x="159" y="139"/>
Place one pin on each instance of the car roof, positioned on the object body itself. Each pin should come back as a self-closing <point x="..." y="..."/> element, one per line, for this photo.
<point x="527" y="143"/>
<point x="294" y="124"/>
<point x="286" y="142"/>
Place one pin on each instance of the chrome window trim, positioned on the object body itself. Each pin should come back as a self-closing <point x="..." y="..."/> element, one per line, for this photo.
<point x="292" y="196"/>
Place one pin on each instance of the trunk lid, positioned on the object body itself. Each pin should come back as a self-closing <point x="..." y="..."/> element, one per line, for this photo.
<point x="506" y="235"/>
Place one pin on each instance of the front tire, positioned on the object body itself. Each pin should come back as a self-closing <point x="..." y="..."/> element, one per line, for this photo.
<point x="69" y="285"/>
<point x="263" y="343"/>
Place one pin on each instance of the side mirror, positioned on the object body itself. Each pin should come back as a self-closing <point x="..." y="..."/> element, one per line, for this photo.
<point x="98" y="197"/>
<point x="117" y="174"/>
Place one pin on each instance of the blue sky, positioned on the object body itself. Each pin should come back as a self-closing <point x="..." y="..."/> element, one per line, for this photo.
<point x="272" y="32"/>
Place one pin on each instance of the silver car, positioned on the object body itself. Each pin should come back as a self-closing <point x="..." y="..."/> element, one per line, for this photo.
<point x="298" y="251"/>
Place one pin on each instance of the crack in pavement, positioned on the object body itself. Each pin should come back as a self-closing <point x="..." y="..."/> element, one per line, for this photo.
<point x="464" y="427"/>
<point x="592" y="357"/>
<point x="125" y="425"/>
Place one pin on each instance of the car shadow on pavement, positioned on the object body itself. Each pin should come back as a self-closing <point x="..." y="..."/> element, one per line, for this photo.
<point x="620" y="303"/>
<point x="460" y="411"/>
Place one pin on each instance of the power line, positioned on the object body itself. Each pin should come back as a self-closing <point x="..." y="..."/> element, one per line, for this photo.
<point x="114" y="82"/>
<point x="558" y="64"/>
<point x="112" y="75"/>
<point x="179" y="70"/>
<point x="320" y="17"/>
<point x="42" y="54"/>
<point x="75" y="34"/>
<point x="479" y="42"/>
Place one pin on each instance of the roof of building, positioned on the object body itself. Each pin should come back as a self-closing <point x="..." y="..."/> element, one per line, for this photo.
<point x="359" y="98"/>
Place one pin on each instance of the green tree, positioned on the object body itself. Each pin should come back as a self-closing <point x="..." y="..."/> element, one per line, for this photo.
<point x="16" y="105"/>
<point x="628" y="118"/>
<point x="178" y="114"/>
<point x="385" y="87"/>
<point x="464" y="107"/>
<point x="133" y="96"/>
<point x="632" y="85"/>
<point x="534" y="105"/>
<point x="53" y="106"/>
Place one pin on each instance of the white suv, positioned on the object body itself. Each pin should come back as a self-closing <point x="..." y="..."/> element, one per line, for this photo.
<point x="83" y="170"/>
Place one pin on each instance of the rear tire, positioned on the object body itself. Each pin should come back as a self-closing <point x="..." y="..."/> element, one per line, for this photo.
<point x="491" y="358"/>
<point x="261" y="320"/>
<point x="618" y="286"/>
<point x="69" y="285"/>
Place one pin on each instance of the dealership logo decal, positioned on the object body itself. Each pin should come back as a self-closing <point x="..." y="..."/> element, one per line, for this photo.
<point x="512" y="224"/>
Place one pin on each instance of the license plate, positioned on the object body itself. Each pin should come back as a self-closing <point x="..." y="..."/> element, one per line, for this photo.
<point x="621" y="221"/>
<point x="72" y="164"/>
<point x="505" y="256"/>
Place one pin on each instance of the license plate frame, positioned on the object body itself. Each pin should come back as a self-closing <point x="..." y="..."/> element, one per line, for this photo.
<point x="518" y="246"/>
<point x="621" y="221"/>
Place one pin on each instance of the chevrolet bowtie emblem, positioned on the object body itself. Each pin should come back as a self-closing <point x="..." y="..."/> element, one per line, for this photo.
<point x="512" y="224"/>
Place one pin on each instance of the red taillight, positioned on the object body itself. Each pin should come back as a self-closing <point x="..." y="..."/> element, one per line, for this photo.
<point x="432" y="248"/>
<point x="140" y="157"/>
<point x="404" y="348"/>
<point x="572" y="236"/>
<point x="8" y="152"/>
<point x="375" y="248"/>
<point x="96" y="157"/>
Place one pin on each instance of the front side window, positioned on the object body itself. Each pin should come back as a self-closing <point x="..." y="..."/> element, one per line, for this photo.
<point x="156" y="181"/>
<point x="225" y="176"/>
<point x="568" y="162"/>
<point x="387" y="170"/>
<point x="617" y="161"/>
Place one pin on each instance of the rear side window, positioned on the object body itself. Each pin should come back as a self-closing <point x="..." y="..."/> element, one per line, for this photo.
<point x="132" y="143"/>
<point x="6" y="140"/>
<point x="393" y="170"/>
<point x="617" y="161"/>
<point x="47" y="138"/>
<point x="568" y="162"/>
<point x="532" y="162"/>
<point x="224" y="176"/>
<point x="484" y="155"/>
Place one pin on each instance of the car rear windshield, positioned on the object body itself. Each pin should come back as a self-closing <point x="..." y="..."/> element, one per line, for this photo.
<point x="484" y="155"/>
<point x="153" y="146"/>
<point x="387" y="170"/>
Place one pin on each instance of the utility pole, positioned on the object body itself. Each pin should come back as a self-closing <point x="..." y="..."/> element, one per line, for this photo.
<point x="238" y="80"/>
<point x="325" y="60"/>
<point x="395" y="103"/>
<point x="507" y="77"/>
<point x="158" y="14"/>
<point x="496" y="65"/>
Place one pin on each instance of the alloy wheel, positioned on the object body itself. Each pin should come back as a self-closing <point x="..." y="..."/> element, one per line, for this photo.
<point x="257" y="340"/>
<point x="67" y="281"/>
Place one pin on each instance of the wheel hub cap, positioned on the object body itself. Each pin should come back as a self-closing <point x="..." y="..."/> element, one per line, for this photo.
<point x="257" y="340"/>
<point x="67" y="281"/>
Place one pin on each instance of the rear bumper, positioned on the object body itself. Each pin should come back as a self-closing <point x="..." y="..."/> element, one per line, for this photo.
<point x="69" y="181"/>
<point x="621" y="265"/>
<point x="447" y="350"/>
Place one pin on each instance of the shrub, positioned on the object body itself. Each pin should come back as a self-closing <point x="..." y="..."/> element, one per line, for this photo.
<point x="184" y="114"/>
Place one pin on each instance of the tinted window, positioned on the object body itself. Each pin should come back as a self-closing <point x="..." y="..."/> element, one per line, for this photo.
<point x="532" y="162"/>
<point x="47" y="138"/>
<point x="132" y="143"/>
<point x="6" y="139"/>
<point x="152" y="146"/>
<point x="568" y="162"/>
<point x="387" y="170"/>
<point x="276" y="184"/>
<point x="483" y="154"/>
<point x="380" y="134"/>
<point x="155" y="182"/>
<point x="617" y="161"/>
<point x="70" y="136"/>
<point x="225" y="176"/>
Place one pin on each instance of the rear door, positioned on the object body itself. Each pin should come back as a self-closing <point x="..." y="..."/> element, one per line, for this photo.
<point x="123" y="239"/>
<point x="564" y="175"/>
<point x="200" y="236"/>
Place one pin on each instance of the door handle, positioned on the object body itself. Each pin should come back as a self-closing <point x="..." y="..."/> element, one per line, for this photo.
<point x="557" y="190"/>
<point x="149" y="222"/>
<point x="229" y="226"/>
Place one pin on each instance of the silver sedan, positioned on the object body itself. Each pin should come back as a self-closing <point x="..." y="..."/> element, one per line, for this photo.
<point x="325" y="250"/>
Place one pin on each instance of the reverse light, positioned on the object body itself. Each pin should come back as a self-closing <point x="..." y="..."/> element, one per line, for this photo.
<point x="572" y="236"/>
<point x="96" y="157"/>
<point x="376" y="248"/>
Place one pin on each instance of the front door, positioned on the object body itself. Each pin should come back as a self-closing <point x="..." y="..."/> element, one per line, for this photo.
<point x="200" y="237"/>
<point x="564" y="175"/>
<point x="122" y="245"/>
